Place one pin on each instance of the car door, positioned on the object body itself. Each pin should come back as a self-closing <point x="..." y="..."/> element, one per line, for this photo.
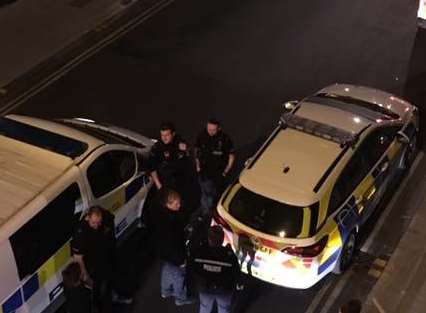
<point x="117" y="183"/>
<point x="382" y="151"/>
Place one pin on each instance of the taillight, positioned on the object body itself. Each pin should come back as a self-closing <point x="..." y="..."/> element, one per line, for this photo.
<point x="220" y="220"/>
<point x="310" y="251"/>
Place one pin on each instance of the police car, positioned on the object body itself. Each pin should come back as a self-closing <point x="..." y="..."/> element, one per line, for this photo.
<point x="295" y="212"/>
<point x="50" y="173"/>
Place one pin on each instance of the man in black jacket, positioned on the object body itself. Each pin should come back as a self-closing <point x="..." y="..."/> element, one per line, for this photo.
<point x="216" y="272"/>
<point x="170" y="224"/>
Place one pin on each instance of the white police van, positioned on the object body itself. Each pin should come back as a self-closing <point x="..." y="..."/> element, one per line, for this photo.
<point x="50" y="172"/>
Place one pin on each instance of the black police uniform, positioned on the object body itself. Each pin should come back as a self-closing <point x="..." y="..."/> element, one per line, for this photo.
<point x="215" y="272"/>
<point x="213" y="153"/>
<point x="169" y="162"/>
<point x="98" y="250"/>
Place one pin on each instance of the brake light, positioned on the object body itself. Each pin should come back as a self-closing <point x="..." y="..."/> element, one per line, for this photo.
<point x="310" y="251"/>
<point x="220" y="220"/>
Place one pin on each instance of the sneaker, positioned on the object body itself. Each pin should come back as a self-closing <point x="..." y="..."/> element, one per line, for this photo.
<point x="165" y="296"/>
<point x="116" y="298"/>
<point x="183" y="302"/>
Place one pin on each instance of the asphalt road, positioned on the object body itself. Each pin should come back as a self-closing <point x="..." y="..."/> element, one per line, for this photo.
<point x="238" y="61"/>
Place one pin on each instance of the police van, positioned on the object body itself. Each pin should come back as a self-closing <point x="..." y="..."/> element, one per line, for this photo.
<point x="50" y="173"/>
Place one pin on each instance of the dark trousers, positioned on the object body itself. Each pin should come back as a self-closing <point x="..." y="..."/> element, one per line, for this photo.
<point x="102" y="294"/>
<point x="223" y="302"/>
<point x="211" y="189"/>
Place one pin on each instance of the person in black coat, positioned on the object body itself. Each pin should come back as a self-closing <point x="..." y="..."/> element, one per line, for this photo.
<point x="78" y="295"/>
<point x="170" y="224"/>
<point x="215" y="271"/>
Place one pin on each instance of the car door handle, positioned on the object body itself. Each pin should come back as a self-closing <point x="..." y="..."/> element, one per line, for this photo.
<point x="358" y="200"/>
<point x="384" y="166"/>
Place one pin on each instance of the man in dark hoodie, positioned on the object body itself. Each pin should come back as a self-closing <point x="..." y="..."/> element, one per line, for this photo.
<point x="170" y="224"/>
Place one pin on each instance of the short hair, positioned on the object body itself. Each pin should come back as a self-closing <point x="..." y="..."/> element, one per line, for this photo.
<point x="95" y="210"/>
<point x="215" y="236"/>
<point x="352" y="306"/>
<point x="168" y="195"/>
<point x="167" y="126"/>
<point x="71" y="275"/>
<point x="214" y="121"/>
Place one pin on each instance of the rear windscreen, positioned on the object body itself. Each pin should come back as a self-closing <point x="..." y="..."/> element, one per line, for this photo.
<point x="266" y="215"/>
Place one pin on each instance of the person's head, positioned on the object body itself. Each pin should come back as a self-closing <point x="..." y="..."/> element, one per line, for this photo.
<point x="352" y="306"/>
<point x="213" y="126"/>
<point x="171" y="200"/>
<point x="167" y="132"/>
<point x="215" y="236"/>
<point x="94" y="217"/>
<point x="71" y="275"/>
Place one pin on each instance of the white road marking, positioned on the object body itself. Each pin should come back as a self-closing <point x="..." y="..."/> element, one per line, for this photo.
<point x="50" y="79"/>
<point x="336" y="291"/>
<point x="371" y="238"/>
<point x="378" y="306"/>
<point x="318" y="297"/>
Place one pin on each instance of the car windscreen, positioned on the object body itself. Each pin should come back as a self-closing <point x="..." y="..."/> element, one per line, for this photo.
<point x="266" y="215"/>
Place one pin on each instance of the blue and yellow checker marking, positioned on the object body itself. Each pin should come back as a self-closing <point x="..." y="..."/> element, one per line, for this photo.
<point x="37" y="281"/>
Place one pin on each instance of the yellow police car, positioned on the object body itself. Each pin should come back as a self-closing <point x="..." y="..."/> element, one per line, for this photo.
<point x="294" y="214"/>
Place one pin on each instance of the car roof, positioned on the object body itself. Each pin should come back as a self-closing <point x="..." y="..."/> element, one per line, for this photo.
<point x="289" y="167"/>
<point x="32" y="156"/>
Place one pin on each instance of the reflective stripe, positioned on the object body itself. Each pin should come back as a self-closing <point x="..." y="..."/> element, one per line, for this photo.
<point x="114" y="201"/>
<point x="13" y="303"/>
<point x="54" y="264"/>
<point x="393" y="149"/>
<point x="306" y="223"/>
<point x="213" y="262"/>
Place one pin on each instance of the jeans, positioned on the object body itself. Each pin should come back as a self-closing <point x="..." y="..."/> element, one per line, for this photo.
<point x="223" y="302"/>
<point x="173" y="281"/>
<point x="209" y="194"/>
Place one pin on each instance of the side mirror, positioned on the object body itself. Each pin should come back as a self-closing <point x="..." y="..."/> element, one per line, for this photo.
<point x="289" y="105"/>
<point x="402" y="138"/>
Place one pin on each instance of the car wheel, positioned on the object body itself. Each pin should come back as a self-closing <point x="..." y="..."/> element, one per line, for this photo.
<point x="346" y="255"/>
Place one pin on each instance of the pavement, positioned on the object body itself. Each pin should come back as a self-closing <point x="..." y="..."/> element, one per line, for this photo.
<point x="34" y="32"/>
<point x="402" y="284"/>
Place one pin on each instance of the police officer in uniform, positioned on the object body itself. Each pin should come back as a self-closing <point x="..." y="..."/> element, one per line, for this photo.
<point x="168" y="158"/>
<point x="93" y="248"/>
<point x="214" y="158"/>
<point x="215" y="271"/>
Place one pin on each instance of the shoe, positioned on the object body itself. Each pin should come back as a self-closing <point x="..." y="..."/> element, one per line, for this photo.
<point x="165" y="296"/>
<point x="183" y="302"/>
<point x="116" y="298"/>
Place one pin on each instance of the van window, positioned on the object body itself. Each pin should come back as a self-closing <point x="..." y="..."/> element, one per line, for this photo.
<point x="36" y="241"/>
<point x="110" y="170"/>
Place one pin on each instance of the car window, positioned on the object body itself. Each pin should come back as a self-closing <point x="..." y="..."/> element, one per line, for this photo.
<point x="362" y="161"/>
<point x="36" y="241"/>
<point x="376" y="144"/>
<point x="110" y="170"/>
<point x="266" y="215"/>
<point x="353" y="173"/>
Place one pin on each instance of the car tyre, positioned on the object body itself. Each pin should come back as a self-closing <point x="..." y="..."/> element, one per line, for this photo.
<point x="346" y="255"/>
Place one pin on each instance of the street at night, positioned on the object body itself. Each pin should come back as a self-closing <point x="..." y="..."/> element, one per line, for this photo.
<point x="239" y="61"/>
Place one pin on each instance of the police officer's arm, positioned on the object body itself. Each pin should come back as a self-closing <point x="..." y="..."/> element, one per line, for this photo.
<point x="153" y="164"/>
<point x="231" y="156"/>
<point x="77" y="247"/>
<point x="197" y="153"/>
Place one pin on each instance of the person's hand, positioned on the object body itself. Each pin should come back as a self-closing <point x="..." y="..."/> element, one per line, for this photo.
<point x="197" y="168"/>
<point x="158" y="185"/>
<point x="183" y="146"/>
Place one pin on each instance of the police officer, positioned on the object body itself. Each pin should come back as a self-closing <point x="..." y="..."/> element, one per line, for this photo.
<point x="215" y="271"/>
<point x="168" y="158"/>
<point x="93" y="247"/>
<point x="214" y="158"/>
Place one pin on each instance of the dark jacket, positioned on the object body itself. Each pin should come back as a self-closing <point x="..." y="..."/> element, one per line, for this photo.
<point x="170" y="236"/>
<point x="215" y="270"/>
